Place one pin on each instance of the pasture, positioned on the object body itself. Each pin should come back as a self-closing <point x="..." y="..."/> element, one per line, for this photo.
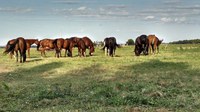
<point x="168" y="81"/>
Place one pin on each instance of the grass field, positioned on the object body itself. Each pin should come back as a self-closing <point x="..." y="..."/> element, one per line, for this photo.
<point x="168" y="81"/>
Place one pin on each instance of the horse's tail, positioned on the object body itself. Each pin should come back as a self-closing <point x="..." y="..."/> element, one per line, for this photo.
<point x="10" y="47"/>
<point x="119" y="46"/>
<point x="55" y="43"/>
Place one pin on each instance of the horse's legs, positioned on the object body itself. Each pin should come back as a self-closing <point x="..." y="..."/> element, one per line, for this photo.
<point x="60" y="52"/>
<point x="157" y="49"/>
<point x="16" y="56"/>
<point x="20" y="56"/>
<point x="65" y="52"/>
<point x="79" y="51"/>
<point x="70" y="51"/>
<point x="106" y="51"/>
<point x="28" y="52"/>
<point x="153" y="48"/>
<point x="24" y="57"/>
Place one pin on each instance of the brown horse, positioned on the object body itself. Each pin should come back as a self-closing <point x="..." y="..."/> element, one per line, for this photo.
<point x="68" y="46"/>
<point x="29" y="42"/>
<point x="16" y="45"/>
<point x="46" y="44"/>
<point x="58" y="43"/>
<point x="6" y="47"/>
<point x="154" y="43"/>
<point x="89" y="45"/>
<point x="81" y="48"/>
<point x="78" y="42"/>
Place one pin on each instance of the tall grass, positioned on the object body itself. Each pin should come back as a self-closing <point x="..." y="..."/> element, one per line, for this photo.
<point x="168" y="81"/>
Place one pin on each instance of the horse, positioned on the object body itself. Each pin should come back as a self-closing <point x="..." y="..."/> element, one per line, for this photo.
<point x="58" y="43"/>
<point x="68" y="46"/>
<point x="47" y="44"/>
<point x="29" y="42"/>
<point x="75" y="40"/>
<point x="81" y="47"/>
<point x="6" y="47"/>
<point x="141" y="45"/>
<point x="154" y="43"/>
<point x="89" y="45"/>
<point x="16" y="45"/>
<point x="110" y="45"/>
<point x="79" y="42"/>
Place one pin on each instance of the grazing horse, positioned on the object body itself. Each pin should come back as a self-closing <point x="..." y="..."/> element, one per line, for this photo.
<point x="29" y="42"/>
<point x="89" y="44"/>
<point x="81" y="47"/>
<point x="78" y="42"/>
<point x="75" y="40"/>
<point x="58" y="43"/>
<point x="68" y="46"/>
<point x="46" y="44"/>
<point x="154" y="43"/>
<point x="110" y="45"/>
<point x="6" y="47"/>
<point x="16" y="45"/>
<point x="141" y="45"/>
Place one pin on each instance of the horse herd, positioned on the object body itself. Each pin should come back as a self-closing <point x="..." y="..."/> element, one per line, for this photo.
<point x="142" y="44"/>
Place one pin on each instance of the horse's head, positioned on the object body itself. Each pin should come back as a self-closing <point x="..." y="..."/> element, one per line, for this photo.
<point x="137" y="50"/>
<point x="38" y="45"/>
<point x="36" y="41"/>
<point x="160" y="41"/>
<point x="91" y="50"/>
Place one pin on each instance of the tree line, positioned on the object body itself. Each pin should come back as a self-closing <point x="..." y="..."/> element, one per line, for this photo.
<point x="192" y="41"/>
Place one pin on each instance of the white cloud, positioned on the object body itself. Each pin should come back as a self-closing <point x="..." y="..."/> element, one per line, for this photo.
<point x="166" y="19"/>
<point x="66" y="1"/>
<point x="16" y="10"/>
<point x="173" y="20"/>
<point x="82" y="8"/>
<point x="149" y="17"/>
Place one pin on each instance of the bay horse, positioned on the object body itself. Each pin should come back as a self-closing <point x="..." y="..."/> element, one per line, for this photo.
<point x="46" y="44"/>
<point x="68" y="46"/>
<point x="16" y="45"/>
<point x="7" y="45"/>
<point x="154" y="43"/>
<point x="141" y="45"/>
<point x="58" y="44"/>
<point x="110" y="45"/>
<point x="89" y="45"/>
<point x="81" y="47"/>
<point x="29" y="42"/>
<point x="78" y="42"/>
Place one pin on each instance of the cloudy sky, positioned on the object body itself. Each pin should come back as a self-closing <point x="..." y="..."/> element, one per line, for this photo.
<point x="170" y="20"/>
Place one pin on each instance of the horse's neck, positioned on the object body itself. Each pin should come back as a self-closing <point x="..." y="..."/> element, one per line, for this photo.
<point x="32" y="42"/>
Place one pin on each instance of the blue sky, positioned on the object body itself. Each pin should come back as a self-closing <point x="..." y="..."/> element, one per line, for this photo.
<point x="170" y="20"/>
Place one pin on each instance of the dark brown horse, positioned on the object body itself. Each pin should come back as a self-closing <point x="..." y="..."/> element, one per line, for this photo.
<point x="68" y="46"/>
<point x="29" y="42"/>
<point x="16" y="45"/>
<point x="81" y="48"/>
<point x="110" y="45"/>
<point x="141" y="45"/>
<point x="6" y="47"/>
<point x="89" y="45"/>
<point x="46" y="44"/>
<point x="154" y="43"/>
<point x="78" y="42"/>
<point x="58" y="43"/>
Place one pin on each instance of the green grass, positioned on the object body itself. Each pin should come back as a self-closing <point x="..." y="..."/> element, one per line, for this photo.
<point x="168" y="81"/>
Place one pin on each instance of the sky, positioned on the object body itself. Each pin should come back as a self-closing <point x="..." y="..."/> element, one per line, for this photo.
<point x="170" y="20"/>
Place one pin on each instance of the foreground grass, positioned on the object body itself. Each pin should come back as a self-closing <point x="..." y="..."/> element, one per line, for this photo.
<point x="169" y="81"/>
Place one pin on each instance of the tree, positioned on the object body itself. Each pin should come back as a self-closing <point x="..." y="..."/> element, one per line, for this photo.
<point x="130" y="42"/>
